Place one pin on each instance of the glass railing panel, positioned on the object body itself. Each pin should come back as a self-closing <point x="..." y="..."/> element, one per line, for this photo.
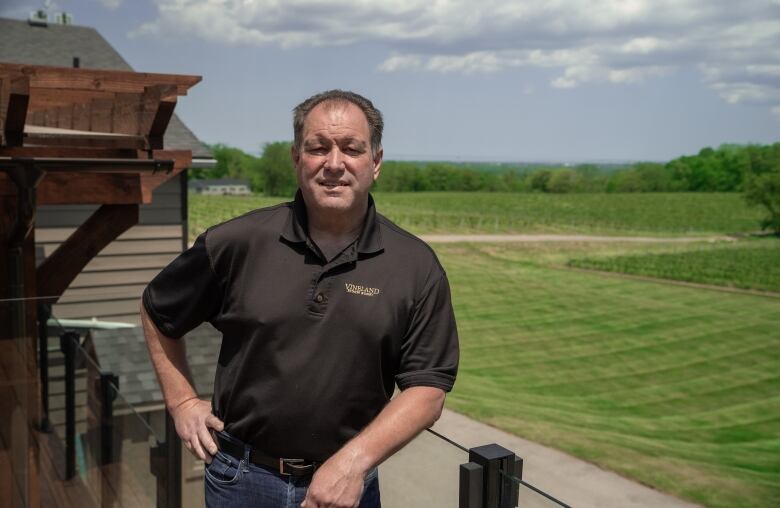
<point x="525" y="495"/>
<point x="114" y="438"/>
<point x="129" y="470"/>
<point x="93" y="438"/>
<point x="424" y="474"/>
<point x="17" y="397"/>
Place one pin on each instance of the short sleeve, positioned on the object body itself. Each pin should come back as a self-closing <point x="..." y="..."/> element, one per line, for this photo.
<point x="429" y="353"/>
<point x="185" y="293"/>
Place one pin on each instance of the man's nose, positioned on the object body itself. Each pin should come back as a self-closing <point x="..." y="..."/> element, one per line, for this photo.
<point x="335" y="160"/>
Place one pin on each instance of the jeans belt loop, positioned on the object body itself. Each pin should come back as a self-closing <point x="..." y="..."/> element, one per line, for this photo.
<point x="243" y="464"/>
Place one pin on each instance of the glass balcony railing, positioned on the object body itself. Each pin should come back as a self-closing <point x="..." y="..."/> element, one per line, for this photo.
<point x="424" y="474"/>
<point x="115" y="447"/>
<point x="525" y="495"/>
<point x="119" y="445"/>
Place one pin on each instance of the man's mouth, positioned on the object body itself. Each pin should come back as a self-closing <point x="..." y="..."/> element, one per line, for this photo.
<point x="333" y="185"/>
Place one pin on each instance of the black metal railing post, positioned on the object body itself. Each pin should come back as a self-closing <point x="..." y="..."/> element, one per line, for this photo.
<point x="497" y="490"/>
<point x="492" y="479"/>
<point x="109" y="383"/>
<point x="518" y="474"/>
<point x="44" y="313"/>
<point x="165" y="463"/>
<point x="470" y="486"/>
<point x="69" y="347"/>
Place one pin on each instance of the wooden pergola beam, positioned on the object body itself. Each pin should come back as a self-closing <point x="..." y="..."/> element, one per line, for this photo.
<point x="116" y="184"/>
<point x="97" y="80"/>
<point x="80" y="188"/>
<point x="57" y="271"/>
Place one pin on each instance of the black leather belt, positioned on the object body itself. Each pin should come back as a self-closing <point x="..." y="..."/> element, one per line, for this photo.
<point x="290" y="467"/>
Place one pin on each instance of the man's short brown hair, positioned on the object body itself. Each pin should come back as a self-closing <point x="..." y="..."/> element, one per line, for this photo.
<point x="373" y="115"/>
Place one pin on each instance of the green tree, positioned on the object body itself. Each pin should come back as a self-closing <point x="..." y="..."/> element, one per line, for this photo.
<point x="537" y="180"/>
<point x="562" y="180"/>
<point x="231" y="163"/>
<point x="276" y="169"/>
<point x="762" y="183"/>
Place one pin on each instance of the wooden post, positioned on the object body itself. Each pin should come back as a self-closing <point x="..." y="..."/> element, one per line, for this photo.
<point x="16" y="111"/>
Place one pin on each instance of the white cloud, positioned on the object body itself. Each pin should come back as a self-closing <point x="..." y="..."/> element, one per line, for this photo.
<point x="736" y="45"/>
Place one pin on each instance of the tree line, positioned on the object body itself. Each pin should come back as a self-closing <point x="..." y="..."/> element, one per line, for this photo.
<point x="751" y="169"/>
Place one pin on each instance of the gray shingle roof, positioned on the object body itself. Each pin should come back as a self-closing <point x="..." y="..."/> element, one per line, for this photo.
<point x="123" y="353"/>
<point x="56" y="45"/>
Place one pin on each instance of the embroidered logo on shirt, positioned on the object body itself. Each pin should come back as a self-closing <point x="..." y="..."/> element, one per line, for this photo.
<point x="361" y="290"/>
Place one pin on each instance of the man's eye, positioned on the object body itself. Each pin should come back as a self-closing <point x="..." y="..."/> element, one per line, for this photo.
<point x="352" y="151"/>
<point x="317" y="150"/>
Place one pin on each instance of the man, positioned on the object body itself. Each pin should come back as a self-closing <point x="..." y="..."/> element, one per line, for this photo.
<point x="324" y="306"/>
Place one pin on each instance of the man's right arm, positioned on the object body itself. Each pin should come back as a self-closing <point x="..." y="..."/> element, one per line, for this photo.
<point x="192" y="416"/>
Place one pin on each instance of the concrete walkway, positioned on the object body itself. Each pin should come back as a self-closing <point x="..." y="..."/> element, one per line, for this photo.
<point x="425" y="473"/>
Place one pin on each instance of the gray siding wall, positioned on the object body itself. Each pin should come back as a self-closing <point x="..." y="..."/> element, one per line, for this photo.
<point x="110" y="286"/>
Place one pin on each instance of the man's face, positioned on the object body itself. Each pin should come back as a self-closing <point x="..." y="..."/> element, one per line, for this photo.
<point x="334" y="165"/>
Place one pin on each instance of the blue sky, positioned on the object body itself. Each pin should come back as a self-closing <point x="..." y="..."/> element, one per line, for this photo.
<point x="537" y="80"/>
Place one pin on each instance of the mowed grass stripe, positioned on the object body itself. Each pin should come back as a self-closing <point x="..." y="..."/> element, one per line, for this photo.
<point x="674" y="386"/>
<point x="600" y="379"/>
<point x="579" y="333"/>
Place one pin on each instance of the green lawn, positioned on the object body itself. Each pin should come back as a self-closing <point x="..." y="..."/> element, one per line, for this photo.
<point x="674" y="386"/>
<point x="677" y="387"/>
<point x="482" y="212"/>
<point x="749" y="265"/>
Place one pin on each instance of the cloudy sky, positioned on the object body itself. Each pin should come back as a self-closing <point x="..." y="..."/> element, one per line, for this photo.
<point x="531" y="80"/>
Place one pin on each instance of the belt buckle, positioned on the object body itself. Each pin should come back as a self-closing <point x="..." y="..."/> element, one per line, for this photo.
<point x="289" y="462"/>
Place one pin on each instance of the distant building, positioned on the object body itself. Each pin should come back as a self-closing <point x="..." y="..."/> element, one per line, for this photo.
<point x="221" y="187"/>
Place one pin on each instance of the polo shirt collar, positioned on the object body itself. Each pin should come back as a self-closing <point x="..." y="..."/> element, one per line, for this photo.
<point x="296" y="228"/>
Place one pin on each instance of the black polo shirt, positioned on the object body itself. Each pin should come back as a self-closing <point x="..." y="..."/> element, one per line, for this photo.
<point x="311" y="349"/>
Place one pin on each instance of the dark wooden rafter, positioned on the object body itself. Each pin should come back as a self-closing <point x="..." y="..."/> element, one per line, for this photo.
<point x="16" y="110"/>
<point x="104" y="226"/>
<point x="165" y="98"/>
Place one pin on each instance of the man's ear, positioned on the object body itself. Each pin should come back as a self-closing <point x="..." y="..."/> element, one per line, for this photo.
<point x="378" y="163"/>
<point x="294" y="155"/>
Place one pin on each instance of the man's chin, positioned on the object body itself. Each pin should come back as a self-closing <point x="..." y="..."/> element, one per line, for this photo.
<point x="335" y="203"/>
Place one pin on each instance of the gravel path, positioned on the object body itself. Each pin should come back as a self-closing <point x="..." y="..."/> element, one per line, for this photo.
<point x="425" y="473"/>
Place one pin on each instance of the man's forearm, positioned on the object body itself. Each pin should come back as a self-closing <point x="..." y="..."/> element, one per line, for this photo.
<point x="339" y="481"/>
<point x="192" y="416"/>
<point x="169" y="358"/>
<point x="411" y="411"/>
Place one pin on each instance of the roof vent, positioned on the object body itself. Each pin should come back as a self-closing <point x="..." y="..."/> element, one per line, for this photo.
<point x="63" y="18"/>
<point x="39" y="18"/>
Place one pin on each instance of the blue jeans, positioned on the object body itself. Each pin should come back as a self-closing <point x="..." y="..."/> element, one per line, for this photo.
<point x="232" y="482"/>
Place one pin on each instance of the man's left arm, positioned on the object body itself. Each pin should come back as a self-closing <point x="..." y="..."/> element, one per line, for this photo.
<point x="339" y="481"/>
